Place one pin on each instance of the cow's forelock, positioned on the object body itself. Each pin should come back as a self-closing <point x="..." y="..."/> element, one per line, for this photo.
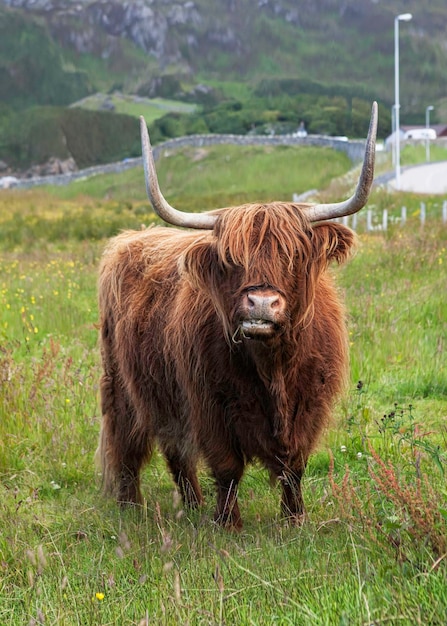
<point x="263" y="237"/>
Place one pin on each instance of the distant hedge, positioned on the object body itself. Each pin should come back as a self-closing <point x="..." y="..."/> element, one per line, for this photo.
<point x="90" y="137"/>
<point x="277" y="113"/>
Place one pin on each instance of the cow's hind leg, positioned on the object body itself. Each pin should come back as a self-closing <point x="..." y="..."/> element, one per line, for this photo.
<point x="124" y="445"/>
<point x="185" y="476"/>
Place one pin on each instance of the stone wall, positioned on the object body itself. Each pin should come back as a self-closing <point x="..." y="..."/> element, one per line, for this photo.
<point x="354" y="149"/>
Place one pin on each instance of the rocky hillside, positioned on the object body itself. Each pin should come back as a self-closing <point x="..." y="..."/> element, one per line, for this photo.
<point x="98" y="26"/>
<point x="350" y="41"/>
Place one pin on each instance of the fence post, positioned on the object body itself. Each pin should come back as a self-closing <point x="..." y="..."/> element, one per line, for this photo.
<point x="369" y="220"/>
<point x="354" y="220"/>
<point x="403" y="215"/>
<point x="444" y="212"/>
<point x="345" y="220"/>
<point x="423" y="213"/>
<point x="385" y="219"/>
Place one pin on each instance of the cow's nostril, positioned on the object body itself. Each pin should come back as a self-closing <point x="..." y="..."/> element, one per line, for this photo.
<point x="252" y="300"/>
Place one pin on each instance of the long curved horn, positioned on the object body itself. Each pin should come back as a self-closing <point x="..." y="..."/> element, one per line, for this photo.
<point x="358" y="200"/>
<point x="161" y="206"/>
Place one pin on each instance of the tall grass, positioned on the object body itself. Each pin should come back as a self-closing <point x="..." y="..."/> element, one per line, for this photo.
<point x="374" y="547"/>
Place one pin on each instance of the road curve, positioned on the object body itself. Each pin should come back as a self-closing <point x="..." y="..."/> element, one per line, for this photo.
<point x="430" y="178"/>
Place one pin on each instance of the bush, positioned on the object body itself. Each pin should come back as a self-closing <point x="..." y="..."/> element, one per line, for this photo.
<point x="90" y="137"/>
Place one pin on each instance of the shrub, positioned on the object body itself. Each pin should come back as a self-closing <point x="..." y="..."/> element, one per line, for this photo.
<point x="90" y="137"/>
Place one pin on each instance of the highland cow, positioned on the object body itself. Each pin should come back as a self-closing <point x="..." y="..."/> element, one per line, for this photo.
<point x="226" y="344"/>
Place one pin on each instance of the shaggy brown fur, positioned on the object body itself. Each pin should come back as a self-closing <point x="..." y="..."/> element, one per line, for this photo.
<point x="180" y="371"/>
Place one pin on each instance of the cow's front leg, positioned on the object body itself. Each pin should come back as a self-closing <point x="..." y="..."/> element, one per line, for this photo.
<point x="185" y="476"/>
<point x="227" y="508"/>
<point x="292" y="504"/>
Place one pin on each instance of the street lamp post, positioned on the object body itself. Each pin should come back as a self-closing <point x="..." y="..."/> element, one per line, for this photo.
<point x="403" y="17"/>
<point x="427" y="126"/>
<point x="393" y="136"/>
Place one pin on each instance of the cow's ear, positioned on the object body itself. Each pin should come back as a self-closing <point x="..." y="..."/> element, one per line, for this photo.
<point x="200" y="264"/>
<point x="333" y="242"/>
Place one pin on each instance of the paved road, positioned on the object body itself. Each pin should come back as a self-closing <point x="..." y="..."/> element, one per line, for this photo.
<point x="428" y="178"/>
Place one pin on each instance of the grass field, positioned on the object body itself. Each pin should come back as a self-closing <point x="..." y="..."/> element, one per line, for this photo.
<point x="374" y="549"/>
<point x="151" y="108"/>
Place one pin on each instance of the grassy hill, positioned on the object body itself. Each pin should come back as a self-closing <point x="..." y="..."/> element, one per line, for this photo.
<point x="248" y="66"/>
<point x="192" y="178"/>
<point x="331" y="42"/>
<point x="150" y="108"/>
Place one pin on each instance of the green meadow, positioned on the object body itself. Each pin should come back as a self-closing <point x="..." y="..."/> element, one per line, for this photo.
<point x="374" y="547"/>
<point x="151" y="108"/>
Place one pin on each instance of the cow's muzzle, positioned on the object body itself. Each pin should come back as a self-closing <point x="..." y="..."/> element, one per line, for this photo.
<point x="261" y="313"/>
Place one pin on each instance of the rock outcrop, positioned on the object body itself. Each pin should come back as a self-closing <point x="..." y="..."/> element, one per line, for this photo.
<point x="93" y="26"/>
